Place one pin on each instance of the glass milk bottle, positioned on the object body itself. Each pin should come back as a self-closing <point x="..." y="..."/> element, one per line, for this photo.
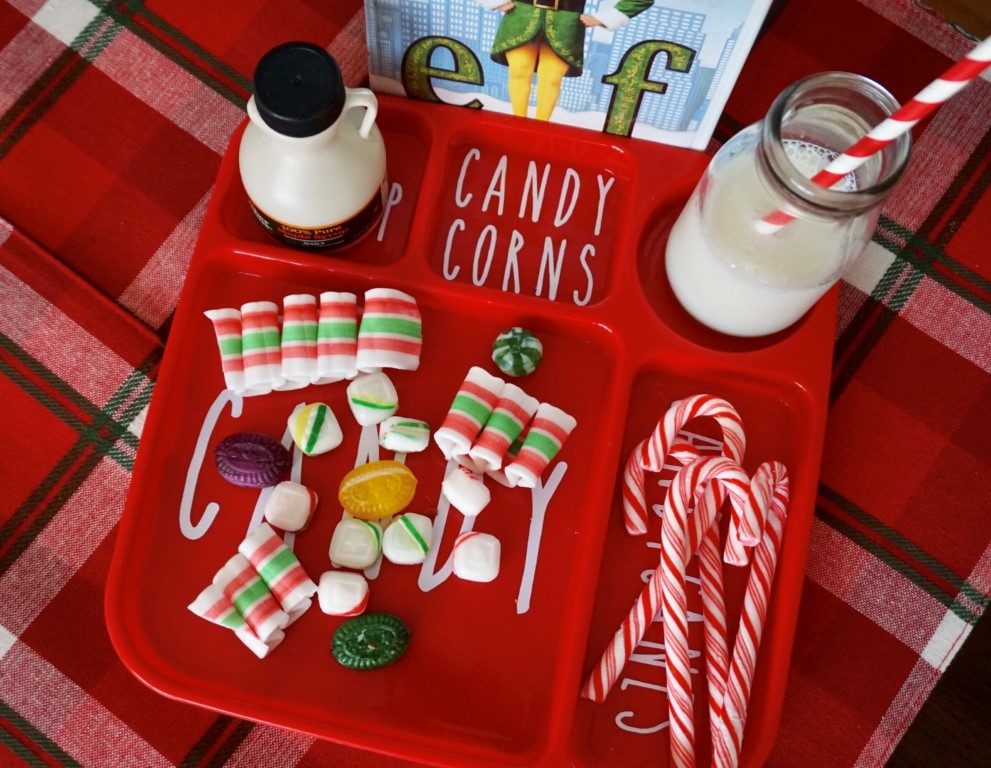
<point x="312" y="158"/>
<point x="740" y="277"/>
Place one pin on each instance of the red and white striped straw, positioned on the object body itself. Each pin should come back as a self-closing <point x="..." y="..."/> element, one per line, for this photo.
<point x="927" y="100"/>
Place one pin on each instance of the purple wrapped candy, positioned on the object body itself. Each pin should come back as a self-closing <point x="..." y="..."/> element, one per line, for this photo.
<point x="251" y="460"/>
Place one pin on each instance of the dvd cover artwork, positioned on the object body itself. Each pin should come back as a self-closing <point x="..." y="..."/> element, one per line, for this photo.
<point x="659" y="71"/>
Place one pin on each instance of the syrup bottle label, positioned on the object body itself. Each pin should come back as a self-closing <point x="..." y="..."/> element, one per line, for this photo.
<point x="338" y="235"/>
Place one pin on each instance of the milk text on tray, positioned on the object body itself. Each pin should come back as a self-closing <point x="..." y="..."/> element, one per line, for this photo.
<point x="525" y="226"/>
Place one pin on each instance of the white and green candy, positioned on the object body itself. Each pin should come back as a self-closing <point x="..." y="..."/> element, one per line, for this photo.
<point x="407" y="539"/>
<point x="517" y="352"/>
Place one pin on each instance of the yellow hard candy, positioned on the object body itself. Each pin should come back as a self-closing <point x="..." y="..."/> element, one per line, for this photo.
<point x="377" y="489"/>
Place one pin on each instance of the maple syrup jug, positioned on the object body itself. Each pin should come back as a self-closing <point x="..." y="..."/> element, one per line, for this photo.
<point x="312" y="158"/>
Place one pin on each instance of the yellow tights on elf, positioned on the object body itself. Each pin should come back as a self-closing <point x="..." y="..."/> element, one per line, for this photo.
<point x="523" y="61"/>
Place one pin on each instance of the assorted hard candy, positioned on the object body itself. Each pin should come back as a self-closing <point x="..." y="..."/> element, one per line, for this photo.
<point x="517" y="352"/>
<point x="251" y="459"/>
<point x="466" y="491"/>
<point x="377" y="489"/>
<point x="477" y="556"/>
<point x="343" y="593"/>
<point x="407" y="539"/>
<point x="356" y="543"/>
<point x="492" y="429"/>
<point x="319" y="341"/>
<point x="258" y="592"/>
<point x="290" y="506"/>
<point x="390" y="335"/>
<point x="372" y="398"/>
<point x="370" y="641"/>
<point x="315" y="429"/>
<point x="402" y="435"/>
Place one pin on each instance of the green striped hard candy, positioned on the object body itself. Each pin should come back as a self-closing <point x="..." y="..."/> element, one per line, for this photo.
<point x="517" y="352"/>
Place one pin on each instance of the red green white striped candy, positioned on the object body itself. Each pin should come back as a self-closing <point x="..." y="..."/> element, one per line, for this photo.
<point x="261" y="346"/>
<point x="278" y="567"/>
<point x="510" y="416"/>
<point x="337" y="337"/>
<point x="299" y="340"/>
<point x="517" y="352"/>
<point x="542" y="442"/>
<point x="390" y="335"/>
<point x="213" y="605"/>
<point x="249" y="593"/>
<point x="470" y="410"/>
<point x="227" y="327"/>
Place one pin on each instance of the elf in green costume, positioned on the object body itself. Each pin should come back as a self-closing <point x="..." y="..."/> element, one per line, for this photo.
<point x="548" y="37"/>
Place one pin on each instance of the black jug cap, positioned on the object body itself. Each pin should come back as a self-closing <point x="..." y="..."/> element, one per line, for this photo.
<point x="298" y="89"/>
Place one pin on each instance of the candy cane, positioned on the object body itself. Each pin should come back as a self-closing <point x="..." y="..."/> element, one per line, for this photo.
<point x="685" y="490"/>
<point x="658" y="448"/>
<point x="746" y="527"/>
<point x="679" y="538"/>
<point x="732" y="712"/>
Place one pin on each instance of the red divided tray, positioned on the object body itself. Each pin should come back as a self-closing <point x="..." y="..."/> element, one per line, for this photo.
<point x="493" y="671"/>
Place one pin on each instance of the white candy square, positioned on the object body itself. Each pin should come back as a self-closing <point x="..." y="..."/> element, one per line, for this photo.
<point x="343" y="593"/>
<point x="476" y="556"/>
<point x="403" y="435"/>
<point x="355" y="543"/>
<point x="372" y="398"/>
<point x="407" y="539"/>
<point x="466" y="492"/>
<point x="290" y="506"/>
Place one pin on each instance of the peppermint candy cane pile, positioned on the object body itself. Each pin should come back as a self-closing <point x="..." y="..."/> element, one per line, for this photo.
<point x="692" y="522"/>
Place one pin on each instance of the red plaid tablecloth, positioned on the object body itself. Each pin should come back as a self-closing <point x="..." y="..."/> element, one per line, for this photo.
<point x="113" y="118"/>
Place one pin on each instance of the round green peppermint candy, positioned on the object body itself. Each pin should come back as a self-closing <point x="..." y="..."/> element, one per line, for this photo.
<point x="370" y="641"/>
<point x="517" y="352"/>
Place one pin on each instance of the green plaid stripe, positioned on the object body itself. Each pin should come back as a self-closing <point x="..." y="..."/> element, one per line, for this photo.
<point x="66" y="68"/>
<point x="102" y="433"/>
<point x="12" y="725"/>
<point x="901" y="555"/>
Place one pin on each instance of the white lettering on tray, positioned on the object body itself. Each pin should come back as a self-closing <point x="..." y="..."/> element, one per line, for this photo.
<point x="432" y="576"/>
<point x="188" y="528"/>
<point x="651" y="654"/>
<point x="493" y="250"/>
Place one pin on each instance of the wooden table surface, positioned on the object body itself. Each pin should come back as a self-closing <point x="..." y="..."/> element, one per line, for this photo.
<point x="954" y="726"/>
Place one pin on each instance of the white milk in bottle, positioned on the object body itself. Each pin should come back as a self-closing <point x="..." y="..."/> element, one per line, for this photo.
<point x="740" y="279"/>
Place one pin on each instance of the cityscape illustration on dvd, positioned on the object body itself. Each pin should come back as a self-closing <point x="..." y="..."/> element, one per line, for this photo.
<point x="660" y="71"/>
